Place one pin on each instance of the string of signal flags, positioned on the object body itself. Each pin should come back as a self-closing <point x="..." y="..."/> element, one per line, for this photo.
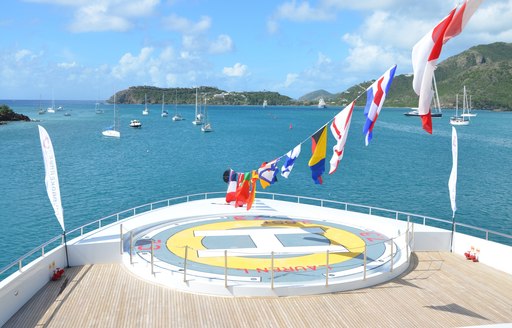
<point x="242" y="185"/>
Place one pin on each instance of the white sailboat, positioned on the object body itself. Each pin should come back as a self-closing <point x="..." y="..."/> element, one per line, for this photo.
<point x="177" y="116"/>
<point x="321" y="103"/>
<point x="97" y="109"/>
<point x="468" y="112"/>
<point x="459" y="120"/>
<point x="164" y="112"/>
<point x="52" y="108"/>
<point x="146" y="110"/>
<point x="207" y="127"/>
<point x="113" y="131"/>
<point x="435" y="107"/>
<point x="265" y="103"/>
<point x="198" y="118"/>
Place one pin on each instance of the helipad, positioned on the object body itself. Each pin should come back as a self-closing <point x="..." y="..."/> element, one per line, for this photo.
<point x="277" y="248"/>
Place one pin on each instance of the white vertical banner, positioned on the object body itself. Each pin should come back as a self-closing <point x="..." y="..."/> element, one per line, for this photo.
<point x="51" y="178"/>
<point x="452" y="182"/>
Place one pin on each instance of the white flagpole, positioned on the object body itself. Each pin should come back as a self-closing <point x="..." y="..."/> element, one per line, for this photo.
<point x="52" y="180"/>
<point x="452" y="182"/>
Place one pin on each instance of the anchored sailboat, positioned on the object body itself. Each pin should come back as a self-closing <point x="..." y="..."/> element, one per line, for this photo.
<point x="460" y="120"/>
<point x="207" y="127"/>
<point x="113" y="131"/>
<point x="198" y="118"/>
<point x="146" y="110"/>
<point x="177" y="116"/>
<point x="164" y="112"/>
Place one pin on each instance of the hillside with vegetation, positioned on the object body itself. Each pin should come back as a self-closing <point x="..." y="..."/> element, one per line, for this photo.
<point x="7" y="115"/>
<point x="485" y="70"/>
<point x="213" y="96"/>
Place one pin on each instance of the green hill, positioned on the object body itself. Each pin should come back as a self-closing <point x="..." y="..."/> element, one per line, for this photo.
<point x="485" y="70"/>
<point x="214" y="96"/>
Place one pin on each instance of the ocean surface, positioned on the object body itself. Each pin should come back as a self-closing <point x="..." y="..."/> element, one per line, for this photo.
<point x="403" y="168"/>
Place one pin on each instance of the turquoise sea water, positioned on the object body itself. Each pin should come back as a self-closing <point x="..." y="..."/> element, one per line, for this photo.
<point x="403" y="168"/>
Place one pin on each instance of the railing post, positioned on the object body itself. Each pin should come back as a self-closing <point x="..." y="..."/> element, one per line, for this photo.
<point x="134" y="211"/>
<point x="327" y="268"/>
<point x="226" y="268"/>
<point x="412" y="243"/>
<point x="391" y="269"/>
<point x="117" y="217"/>
<point x="131" y="246"/>
<point x="396" y="216"/>
<point x="369" y="210"/>
<point x="121" y="239"/>
<point x="407" y="242"/>
<point x="20" y="265"/>
<point x="272" y="270"/>
<point x="99" y="224"/>
<point x="364" y="262"/>
<point x="185" y="265"/>
<point x="42" y="251"/>
<point x="81" y="231"/>
<point x="152" y="258"/>
<point x="408" y="218"/>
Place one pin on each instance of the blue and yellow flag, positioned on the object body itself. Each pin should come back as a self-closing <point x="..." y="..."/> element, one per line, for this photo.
<point x="319" y="149"/>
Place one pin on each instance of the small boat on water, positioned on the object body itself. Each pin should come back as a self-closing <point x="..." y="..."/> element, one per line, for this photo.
<point x="135" y="124"/>
<point x="113" y="131"/>
<point x="460" y="120"/>
<point x="146" y="110"/>
<point x="199" y="117"/>
<point x="97" y="109"/>
<point x="321" y="103"/>
<point x="164" y="111"/>
<point x="207" y="127"/>
<point x="177" y="116"/>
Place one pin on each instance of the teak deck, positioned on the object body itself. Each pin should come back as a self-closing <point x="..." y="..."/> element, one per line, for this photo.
<point x="440" y="290"/>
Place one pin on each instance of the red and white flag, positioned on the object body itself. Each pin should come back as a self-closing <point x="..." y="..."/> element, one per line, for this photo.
<point x="426" y="52"/>
<point x="339" y="129"/>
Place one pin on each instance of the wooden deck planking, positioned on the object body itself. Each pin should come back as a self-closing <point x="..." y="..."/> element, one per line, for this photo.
<point x="441" y="290"/>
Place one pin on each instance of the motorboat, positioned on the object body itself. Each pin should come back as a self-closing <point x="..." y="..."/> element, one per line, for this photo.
<point x="135" y="124"/>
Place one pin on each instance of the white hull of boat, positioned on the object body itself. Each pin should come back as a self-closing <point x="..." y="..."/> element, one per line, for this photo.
<point x="105" y="245"/>
<point x="111" y="133"/>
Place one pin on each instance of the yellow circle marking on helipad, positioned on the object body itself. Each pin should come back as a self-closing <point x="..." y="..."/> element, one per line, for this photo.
<point x="353" y="243"/>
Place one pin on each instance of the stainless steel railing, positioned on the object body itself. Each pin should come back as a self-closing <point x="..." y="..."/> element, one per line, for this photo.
<point x="392" y="214"/>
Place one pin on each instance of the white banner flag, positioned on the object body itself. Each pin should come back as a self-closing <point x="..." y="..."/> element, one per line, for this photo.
<point x="452" y="182"/>
<point x="51" y="178"/>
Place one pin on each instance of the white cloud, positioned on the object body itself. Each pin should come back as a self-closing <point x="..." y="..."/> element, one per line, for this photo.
<point x="105" y="15"/>
<point x="130" y="65"/>
<point x="20" y="55"/>
<point x="96" y="17"/>
<point x="291" y="78"/>
<point x="368" y="57"/>
<point x="238" y="70"/>
<point x="67" y="65"/>
<point x="223" y="44"/>
<point x="303" y="12"/>
<point x="185" y="26"/>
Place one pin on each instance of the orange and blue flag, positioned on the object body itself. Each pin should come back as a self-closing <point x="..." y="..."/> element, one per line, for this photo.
<point x="319" y="149"/>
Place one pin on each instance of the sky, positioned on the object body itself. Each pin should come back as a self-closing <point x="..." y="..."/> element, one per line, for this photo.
<point x="89" y="49"/>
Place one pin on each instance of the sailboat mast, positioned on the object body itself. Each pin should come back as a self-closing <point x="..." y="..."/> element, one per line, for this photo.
<point x="196" y="102"/>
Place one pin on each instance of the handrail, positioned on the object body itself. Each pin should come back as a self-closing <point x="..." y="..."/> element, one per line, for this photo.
<point x="207" y="195"/>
